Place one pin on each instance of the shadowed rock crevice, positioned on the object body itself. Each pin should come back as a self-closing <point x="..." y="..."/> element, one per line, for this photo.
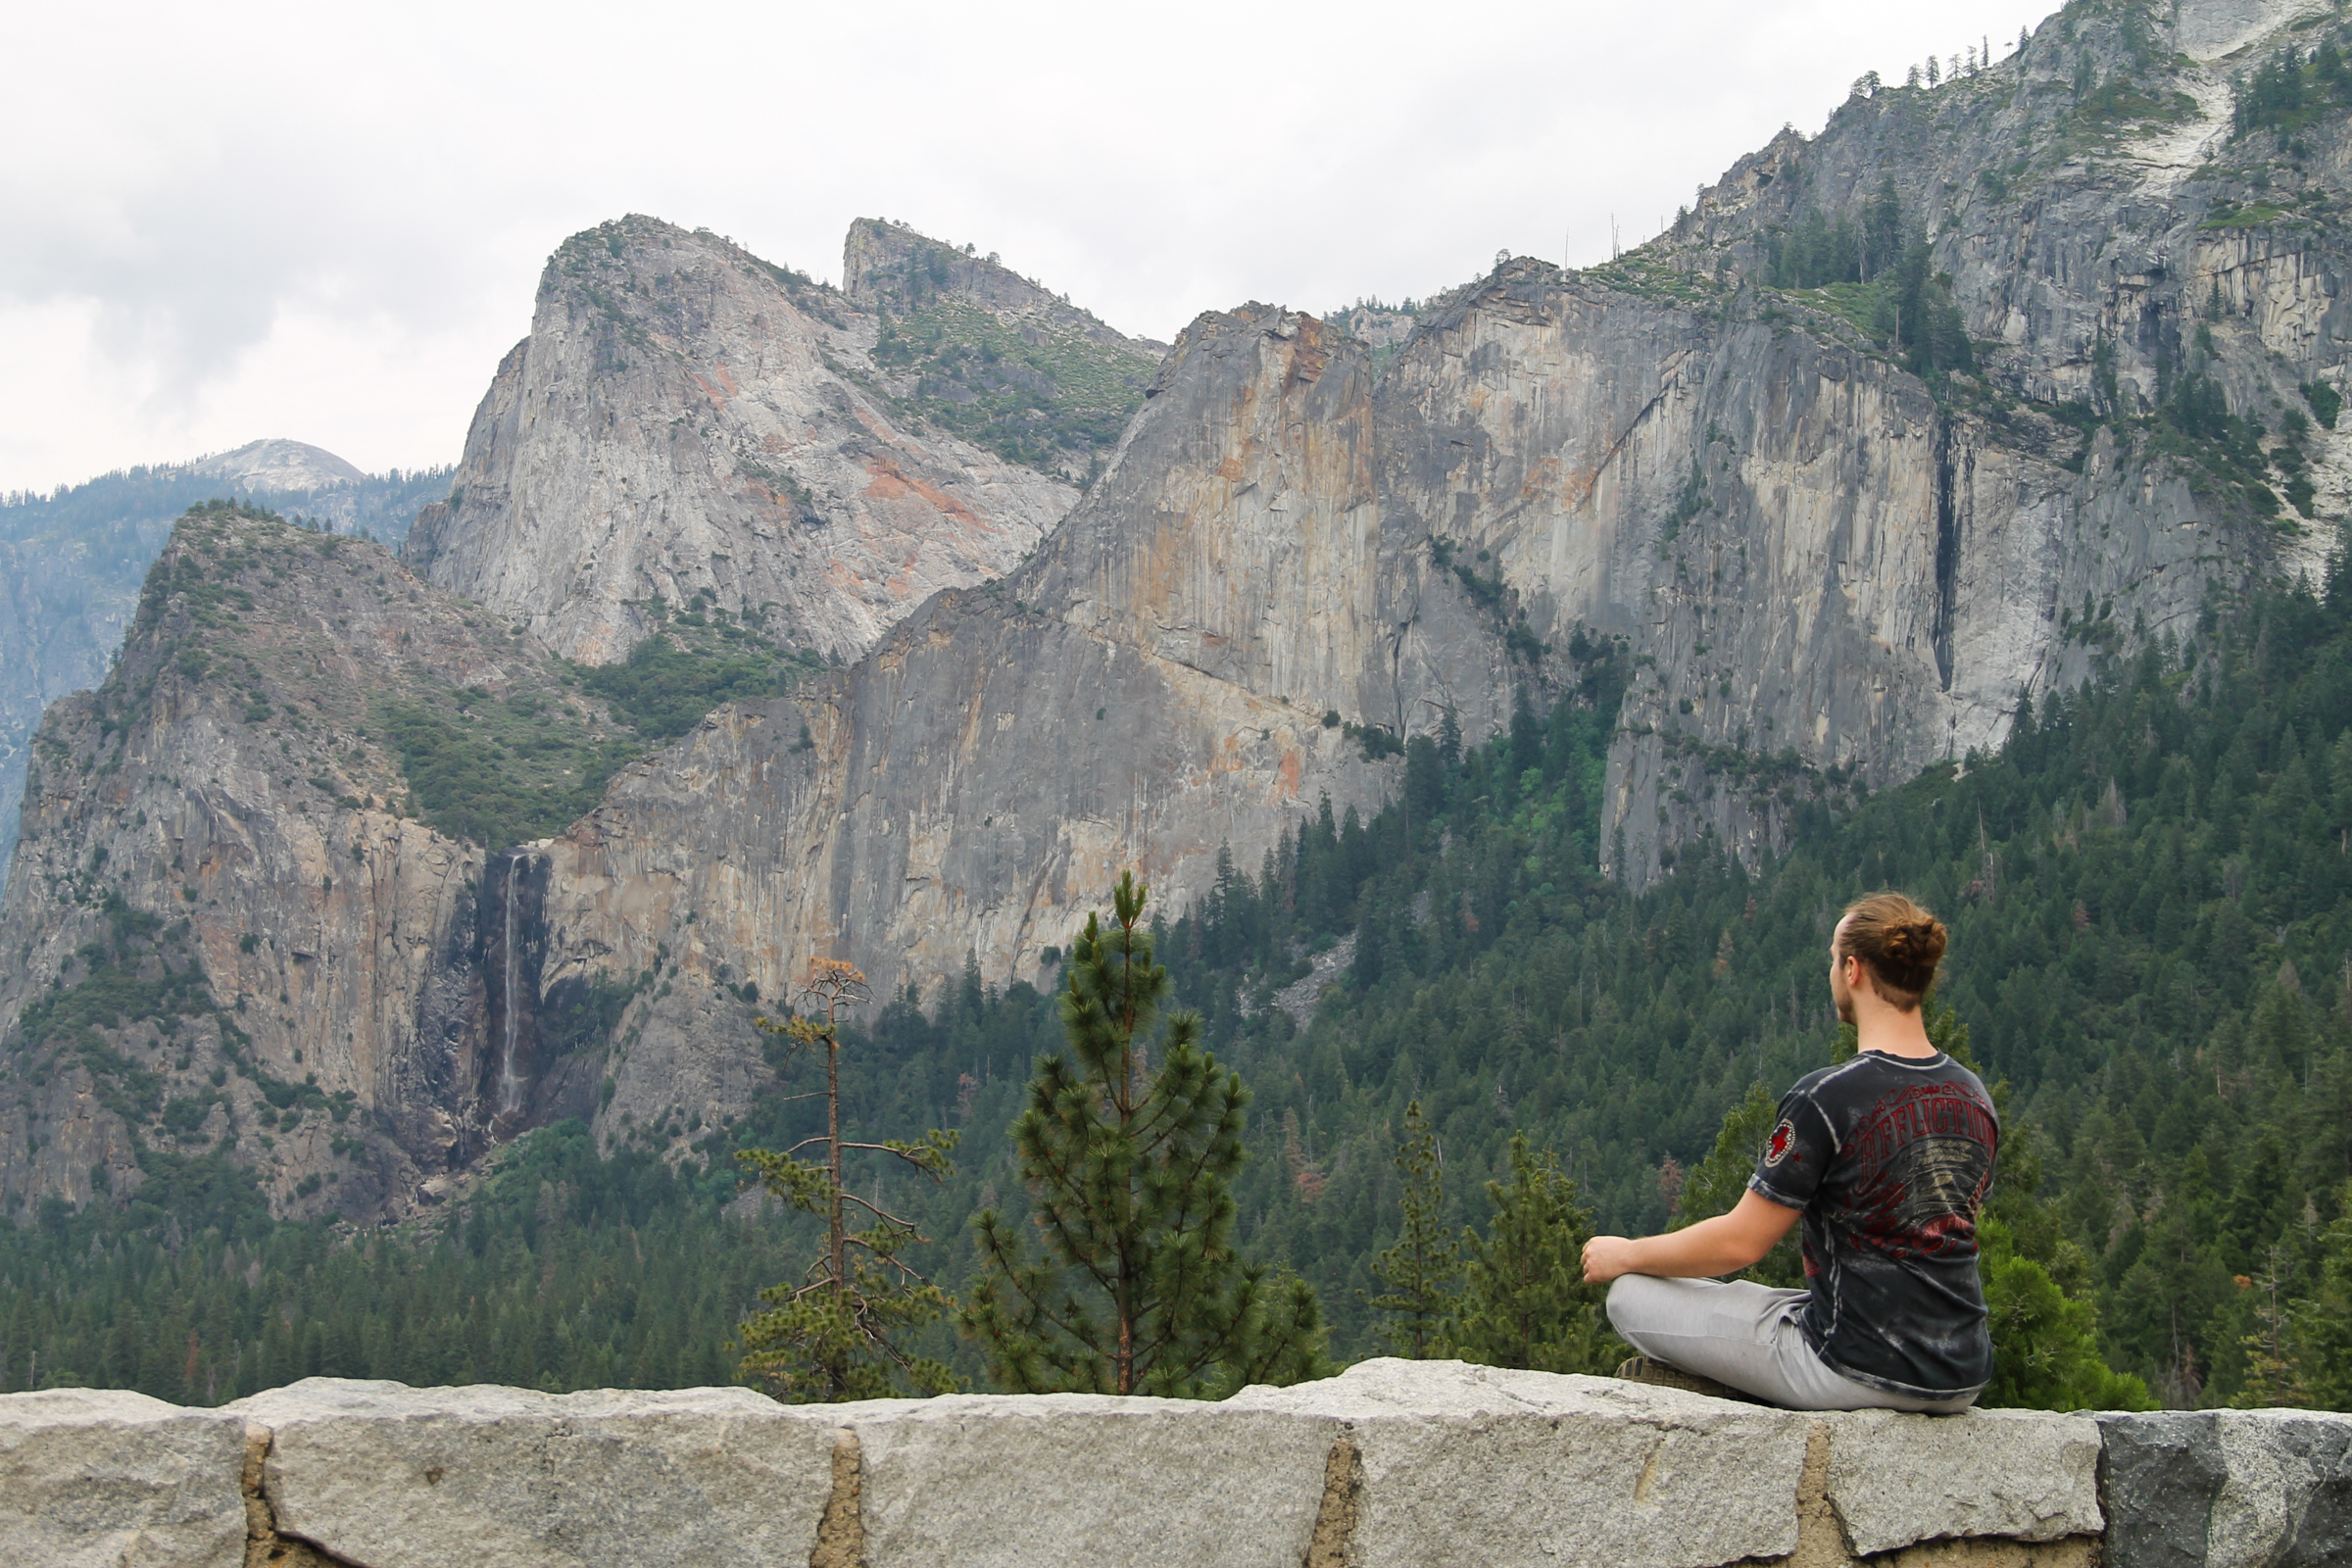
<point x="1947" y="554"/>
<point x="1821" y="1539"/>
<point x="1332" y="1545"/>
<point x="841" y="1531"/>
<point x="265" y="1547"/>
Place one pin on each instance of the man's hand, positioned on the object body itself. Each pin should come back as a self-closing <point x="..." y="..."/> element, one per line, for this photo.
<point x="1724" y="1244"/>
<point x="1607" y="1257"/>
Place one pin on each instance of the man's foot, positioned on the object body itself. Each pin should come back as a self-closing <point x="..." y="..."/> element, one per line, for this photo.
<point x="1651" y="1370"/>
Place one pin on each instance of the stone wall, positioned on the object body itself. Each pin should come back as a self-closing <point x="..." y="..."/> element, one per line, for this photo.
<point x="1409" y="1464"/>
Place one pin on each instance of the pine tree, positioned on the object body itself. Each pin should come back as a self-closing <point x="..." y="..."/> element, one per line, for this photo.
<point x="831" y="1336"/>
<point x="2321" y="1323"/>
<point x="2274" y="1374"/>
<point x="1421" y="1269"/>
<point x="2045" y="1345"/>
<point x="1129" y="1168"/>
<point x="1524" y="1300"/>
<point x="1882" y="236"/>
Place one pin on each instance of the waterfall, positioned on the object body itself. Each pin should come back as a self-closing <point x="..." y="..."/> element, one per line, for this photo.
<point x="509" y="1087"/>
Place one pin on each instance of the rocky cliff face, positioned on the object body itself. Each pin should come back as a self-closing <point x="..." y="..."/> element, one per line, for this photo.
<point x="72" y="561"/>
<point x="2095" y="189"/>
<point x="1154" y="685"/>
<point x="1811" y="556"/>
<point x="1834" y="564"/>
<point x="1835" y="560"/>
<point x="1151" y="687"/>
<point x="1833" y="567"/>
<point x="686" y="419"/>
<point x="230" y="940"/>
<point x="1837" y="550"/>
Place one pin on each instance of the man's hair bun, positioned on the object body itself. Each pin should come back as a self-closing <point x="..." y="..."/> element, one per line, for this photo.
<point x="1898" y="941"/>
<point x="1915" y="942"/>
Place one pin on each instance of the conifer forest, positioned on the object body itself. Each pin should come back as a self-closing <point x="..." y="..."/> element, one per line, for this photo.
<point x="2151" y="907"/>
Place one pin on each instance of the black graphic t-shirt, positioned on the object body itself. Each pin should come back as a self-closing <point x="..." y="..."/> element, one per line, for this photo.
<point x="1889" y="1158"/>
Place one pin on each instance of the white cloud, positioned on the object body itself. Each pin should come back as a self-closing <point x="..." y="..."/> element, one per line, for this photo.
<point x="258" y="219"/>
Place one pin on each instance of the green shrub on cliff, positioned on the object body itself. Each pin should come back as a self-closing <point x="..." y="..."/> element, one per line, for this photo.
<point x="693" y="661"/>
<point x="507" y="771"/>
<point x="498" y="772"/>
<point x="1038" y="394"/>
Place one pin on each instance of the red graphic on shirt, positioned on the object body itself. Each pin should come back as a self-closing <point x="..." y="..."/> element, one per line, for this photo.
<point x="1922" y="1162"/>
<point x="1777" y="1150"/>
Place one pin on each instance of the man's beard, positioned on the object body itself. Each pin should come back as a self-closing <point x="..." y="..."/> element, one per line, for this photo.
<point x="1845" y="1001"/>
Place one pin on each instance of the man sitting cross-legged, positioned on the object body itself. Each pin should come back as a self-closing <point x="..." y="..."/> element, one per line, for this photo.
<point x="1888" y="1157"/>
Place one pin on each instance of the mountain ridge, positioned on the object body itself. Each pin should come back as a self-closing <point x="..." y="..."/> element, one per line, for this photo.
<point x="1827" y="548"/>
<point x="72" y="561"/>
<point x="778" y="454"/>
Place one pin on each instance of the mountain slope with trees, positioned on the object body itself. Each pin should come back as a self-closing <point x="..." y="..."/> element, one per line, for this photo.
<point x="71" y="563"/>
<point x="2152" y="916"/>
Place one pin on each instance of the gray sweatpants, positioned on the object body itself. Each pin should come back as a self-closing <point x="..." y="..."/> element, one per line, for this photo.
<point x="1745" y="1334"/>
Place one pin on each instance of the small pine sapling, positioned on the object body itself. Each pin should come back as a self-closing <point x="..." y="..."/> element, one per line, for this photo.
<point x="832" y="1336"/>
<point x="1524" y="1302"/>
<point x="1421" y="1269"/>
<point x="2320" y="1326"/>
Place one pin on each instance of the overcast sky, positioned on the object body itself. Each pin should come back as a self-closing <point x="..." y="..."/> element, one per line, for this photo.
<point x="225" y="221"/>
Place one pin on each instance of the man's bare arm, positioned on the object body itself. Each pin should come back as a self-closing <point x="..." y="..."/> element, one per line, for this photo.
<point x="1724" y="1244"/>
